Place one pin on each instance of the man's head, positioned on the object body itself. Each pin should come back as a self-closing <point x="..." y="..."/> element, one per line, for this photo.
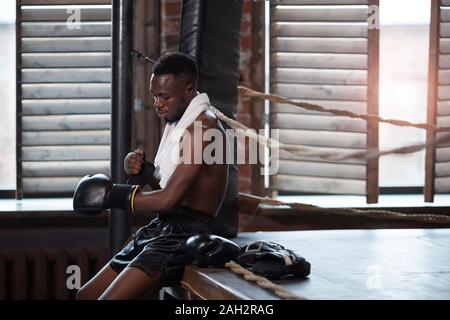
<point x="173" y="85"/>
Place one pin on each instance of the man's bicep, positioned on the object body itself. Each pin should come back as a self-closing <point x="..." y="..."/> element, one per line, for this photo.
<point x="192" y="145"/>
<point x="181" y="182"/>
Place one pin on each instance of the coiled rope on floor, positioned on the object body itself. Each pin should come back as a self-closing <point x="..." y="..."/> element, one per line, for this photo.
<point x="262" y="281"/>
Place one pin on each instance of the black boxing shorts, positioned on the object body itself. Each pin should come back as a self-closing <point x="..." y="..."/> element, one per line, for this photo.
<point x="160" y="246"/>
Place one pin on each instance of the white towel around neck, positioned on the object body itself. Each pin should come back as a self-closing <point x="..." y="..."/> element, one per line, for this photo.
<point x="168" y="157"/>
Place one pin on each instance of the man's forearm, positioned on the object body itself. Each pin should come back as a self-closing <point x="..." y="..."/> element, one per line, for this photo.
<point x="152" y="201"/>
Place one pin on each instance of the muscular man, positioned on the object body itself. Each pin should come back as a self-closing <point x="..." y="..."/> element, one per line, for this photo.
<point x="190" y="196"/>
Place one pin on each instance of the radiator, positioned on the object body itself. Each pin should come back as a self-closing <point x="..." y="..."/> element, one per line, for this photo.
<point x="42" y="274"/>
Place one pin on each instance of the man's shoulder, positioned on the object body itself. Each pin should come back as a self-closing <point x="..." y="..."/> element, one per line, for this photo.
<point x="208" y="118"/>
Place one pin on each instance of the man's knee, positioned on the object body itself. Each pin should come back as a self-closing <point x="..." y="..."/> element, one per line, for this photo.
<point x="85" y="294"/>
<point x="80" y="294"/>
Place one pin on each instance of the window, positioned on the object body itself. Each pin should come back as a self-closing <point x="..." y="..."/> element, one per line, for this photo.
<point x="8" y="95"/>
<point x="319" y="53"/>
<point x="404" y="47"/>
<point x="65" y="95"/>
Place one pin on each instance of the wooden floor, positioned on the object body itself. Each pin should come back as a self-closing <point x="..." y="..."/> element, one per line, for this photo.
<point x="345" y="264"/>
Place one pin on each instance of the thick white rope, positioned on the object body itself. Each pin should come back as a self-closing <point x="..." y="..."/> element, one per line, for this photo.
<point x="262" y="281"/>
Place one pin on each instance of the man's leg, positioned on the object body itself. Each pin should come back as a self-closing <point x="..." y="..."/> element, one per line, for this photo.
<point x="133" y="283"/>
<point x="98" y="284"/>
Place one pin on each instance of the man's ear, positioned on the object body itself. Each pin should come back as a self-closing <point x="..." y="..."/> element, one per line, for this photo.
<point x="191" y="88"/>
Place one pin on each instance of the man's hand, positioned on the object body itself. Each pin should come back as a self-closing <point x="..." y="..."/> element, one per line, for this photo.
<point x="140" y="171"/>
<point x="133" y="162"/>
<point x="95" y="193"/>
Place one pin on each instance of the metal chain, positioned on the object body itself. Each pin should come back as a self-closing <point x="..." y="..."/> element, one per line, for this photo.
<point x="142" y="56"/>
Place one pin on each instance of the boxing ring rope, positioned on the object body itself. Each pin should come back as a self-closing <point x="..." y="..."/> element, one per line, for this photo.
<point x="368" y="154"/>
<point x="262" y="281"/>
<point x="250" y="276"/>
<point x="370" y="213"/>
<point x="371" y="153"/>
<point x="314" y="107"/>
<point x="313" y="152"/>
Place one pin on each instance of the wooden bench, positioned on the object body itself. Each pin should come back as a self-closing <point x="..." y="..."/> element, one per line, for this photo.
<point x="345" y="264"/>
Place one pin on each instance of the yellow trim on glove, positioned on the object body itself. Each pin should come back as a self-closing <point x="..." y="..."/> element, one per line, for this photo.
<point x="133" y="194"/>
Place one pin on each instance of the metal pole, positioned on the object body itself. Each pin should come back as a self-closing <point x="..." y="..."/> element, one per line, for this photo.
<point x="121" y="95"/>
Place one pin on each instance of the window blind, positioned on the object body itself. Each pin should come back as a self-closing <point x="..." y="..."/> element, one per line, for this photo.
<point x="64" y="75"/>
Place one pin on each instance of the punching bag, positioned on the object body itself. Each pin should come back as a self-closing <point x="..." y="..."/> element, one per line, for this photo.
<point x="210" y="33"/>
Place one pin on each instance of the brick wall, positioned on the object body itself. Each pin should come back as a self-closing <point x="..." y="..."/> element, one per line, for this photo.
<point x="170" y="28"/>
<point x="170" y="25"/>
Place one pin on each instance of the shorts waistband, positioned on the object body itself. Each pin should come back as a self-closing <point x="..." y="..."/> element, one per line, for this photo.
<point x="187" y="214"/>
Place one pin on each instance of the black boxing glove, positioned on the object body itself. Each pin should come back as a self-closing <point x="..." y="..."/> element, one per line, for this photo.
<point x="145" y="176"/>
<point x="206" y="250"/>
<point x="273" y="261"/>
<point x="95" y="193"/>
